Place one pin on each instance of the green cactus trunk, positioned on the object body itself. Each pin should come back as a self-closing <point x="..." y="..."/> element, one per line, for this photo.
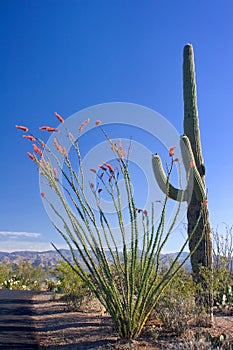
<point x="195" y="192"/>
<point x="203" y="254"/>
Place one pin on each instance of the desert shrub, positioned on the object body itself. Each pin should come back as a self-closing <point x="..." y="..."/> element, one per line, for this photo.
<point x="6" y="271"/>
<point x="222" y="288"/>
<point x="222" y="274"/>
<point x="202" y="341"/>
<point x="22" y="276"/>
<point x="215" y="342"/>
<point x="176" y="307"/>
<point x="31" y="276"/>
<point x="73" y="300"/>
<point x="52" y="285"/>
<point x="223" y="248"/>
<point x="223" y="269"/>
<point x="69" y="283"/>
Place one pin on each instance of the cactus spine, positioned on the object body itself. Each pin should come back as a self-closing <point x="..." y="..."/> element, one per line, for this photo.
<point x="191" y="151"/>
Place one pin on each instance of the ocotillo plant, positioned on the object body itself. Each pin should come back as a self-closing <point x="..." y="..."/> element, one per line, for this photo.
<point x="195" y="192"/>
<point x="124" y="276"/>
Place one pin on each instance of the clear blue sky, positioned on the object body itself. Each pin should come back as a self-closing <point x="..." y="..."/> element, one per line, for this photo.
<point x="66" y="55"/>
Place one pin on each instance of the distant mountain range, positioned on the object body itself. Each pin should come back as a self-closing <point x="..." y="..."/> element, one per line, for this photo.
<point x="48" y="258"/>
<point x="51" y="258"/>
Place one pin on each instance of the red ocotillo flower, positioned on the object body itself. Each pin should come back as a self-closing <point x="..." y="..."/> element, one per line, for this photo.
<point x="56" y="143"/>
<point x="36" y="149"/>
<point x="52" y="129"/>
<point x="31" y="138"/>
<point x="48" y="128"/>
<point x="59" y="117"/>
<point x="31" y="156"/>
<point x="102" y="167"/>
<point x="84" y="124"/>
<point x="172" y="151"/>
<point x="204" y="204"/>
<point x="98" y="122"/>
<point x="110" y="168"/>
<point x="120" y="150"/>
<point x="71" y="136"/>
<point x="20" y="127"/>
<point x="64" y="152"/>
<point x="43" y="195"/>
<point x="93" y="171"/>
<point x="191" y="164"/>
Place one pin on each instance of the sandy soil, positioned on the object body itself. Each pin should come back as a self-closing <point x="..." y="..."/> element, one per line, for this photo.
<point x="31" y="320"/>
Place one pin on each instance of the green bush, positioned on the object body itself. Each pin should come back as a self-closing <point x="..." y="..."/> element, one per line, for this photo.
<point x="24" y="276"/>
<point x="68" y="282"/>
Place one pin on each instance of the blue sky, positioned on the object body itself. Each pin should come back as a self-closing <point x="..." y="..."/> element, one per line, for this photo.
<point x="67" y="55"/>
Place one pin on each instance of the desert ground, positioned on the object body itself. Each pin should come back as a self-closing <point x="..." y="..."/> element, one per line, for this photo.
<point x="33" y="320"/>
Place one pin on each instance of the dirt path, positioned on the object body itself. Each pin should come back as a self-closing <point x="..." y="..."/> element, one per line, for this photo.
<point x="16" y="326"/>
<point x="59" y="329"/>
<point x="31" y="320"/>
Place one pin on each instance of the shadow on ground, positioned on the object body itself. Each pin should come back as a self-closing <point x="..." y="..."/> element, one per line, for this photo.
<point x="16" y="324"/>
<point x="31" y="320"/>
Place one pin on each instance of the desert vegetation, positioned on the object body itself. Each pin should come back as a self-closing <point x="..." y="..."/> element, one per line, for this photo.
<point x="175" y="315"/>
<point x="132" y="282"/>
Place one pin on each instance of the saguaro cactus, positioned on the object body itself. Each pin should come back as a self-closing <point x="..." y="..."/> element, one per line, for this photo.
<point x="203" y="255"/>
<point x="194" y="165"/>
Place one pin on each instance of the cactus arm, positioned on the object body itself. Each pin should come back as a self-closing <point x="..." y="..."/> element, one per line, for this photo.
<point x="186" y="152"/>
<point x="161" y="178"/>
<point x="199" y="188"/>
<point x="194" y="179"/>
